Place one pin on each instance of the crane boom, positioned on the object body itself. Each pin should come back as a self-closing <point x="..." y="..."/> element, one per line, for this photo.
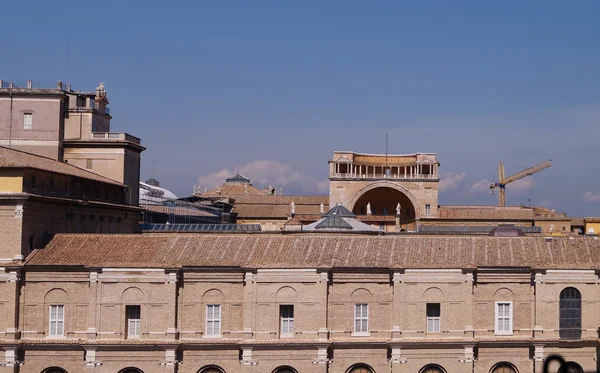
<point x="503" y="181"/>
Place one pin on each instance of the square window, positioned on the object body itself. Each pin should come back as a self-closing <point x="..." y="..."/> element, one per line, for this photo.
<point x="27" y="121"/>
<point x="57" y="321"/>
<point x="433" y="317"/>
<point x="503" y="318"/>
<point x="213" y="320"/>
<point x="361" y="319"/>
<point x="134" y="319"/>
<point x="286" y="316"/>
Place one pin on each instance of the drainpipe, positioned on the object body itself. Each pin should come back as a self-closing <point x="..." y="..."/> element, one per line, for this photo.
<point x="11" y="117"/>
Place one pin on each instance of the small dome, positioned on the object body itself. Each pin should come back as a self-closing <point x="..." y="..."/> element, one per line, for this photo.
<point x="340" y="211"/>
<point x="152" y="181"/>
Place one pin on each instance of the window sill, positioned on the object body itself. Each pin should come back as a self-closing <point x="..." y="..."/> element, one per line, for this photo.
<point x="501" y="333"/>
<point x="362" y="334"/>
<point x="213" y="336"/>
<point x="286" y="335"/>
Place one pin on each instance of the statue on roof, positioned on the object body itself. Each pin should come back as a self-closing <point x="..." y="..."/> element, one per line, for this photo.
<point x="368" y="208"/>
<point x="398" y="209"/>
<point x="322" y="208"/>
<point x="293" y="207"/>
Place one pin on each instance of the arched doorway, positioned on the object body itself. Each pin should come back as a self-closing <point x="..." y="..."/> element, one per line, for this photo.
<point x="570" y="313"/>
<point x="285" y="370"/>
<point x="360" y="368"/>
<point x="383" y="201"/>
<point x="54" y="370"/>
<point x="211" y="369"/>
<point x="432" y="368"/>
<point x="504" y="368"/>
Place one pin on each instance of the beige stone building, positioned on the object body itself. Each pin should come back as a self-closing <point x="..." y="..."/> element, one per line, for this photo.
<point x="301" y="302"/>
<point x="70" y="126"/>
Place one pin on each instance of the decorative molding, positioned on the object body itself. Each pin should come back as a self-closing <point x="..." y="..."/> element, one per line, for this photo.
<point x="19" y="211"/>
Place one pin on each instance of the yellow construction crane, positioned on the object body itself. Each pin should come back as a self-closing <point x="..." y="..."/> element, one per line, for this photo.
<point x="502" y="181"/>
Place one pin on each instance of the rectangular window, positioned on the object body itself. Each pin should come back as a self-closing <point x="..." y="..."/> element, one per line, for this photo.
<point x="213" y="320"/>
<point x="427" y="210"/>
<point x="27" y="121"/>
<point x="504" y="318"/>
<point x="57" y="321"/>
<point x="134" y="318"/>
<point x="433" y="317"/>
<point x="361" y="319"/>
<point x="286" y="315"/>
<point x="88" y="164"/>
<point x="385" y="211"/>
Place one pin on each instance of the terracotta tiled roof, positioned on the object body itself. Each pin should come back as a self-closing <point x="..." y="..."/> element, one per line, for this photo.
<point x="283" y="200"/>
<point x="313" y="250"/>
<point x="278" y="207"/>
<point x="592" y="220"/>
<point x="11" y="158"/>
<point x="485" y="213"/>
<point x="578" y="221"/>
<point x="227" y="190"/>
<point x="177" y="210"/>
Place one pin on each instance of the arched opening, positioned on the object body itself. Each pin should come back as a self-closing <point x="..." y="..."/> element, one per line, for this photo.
<point x="432" y="368"/>
<point x="570" y="367"/>
<point x="570" y="314"/>
<point x="54" y="370"/>
<point x="383" y="201"/>
<point x="131" y="370"/>
<point x="211" y="369"/>
<point x="504" y="368"/>
<point x="360" y="368"/>
<point x="285" y="369"/>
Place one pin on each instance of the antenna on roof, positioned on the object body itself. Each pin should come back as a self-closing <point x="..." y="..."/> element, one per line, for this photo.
<point x="238" y="166"/>
<point x="386" y="156"/>
<point x="68" y="54"/>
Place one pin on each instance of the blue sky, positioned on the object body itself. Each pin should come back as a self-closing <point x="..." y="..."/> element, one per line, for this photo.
<point x="281" y="85"/>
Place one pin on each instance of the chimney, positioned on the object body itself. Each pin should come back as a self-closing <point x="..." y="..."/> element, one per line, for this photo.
<point x="59" y="85"/>
<point x="30" y="84"/>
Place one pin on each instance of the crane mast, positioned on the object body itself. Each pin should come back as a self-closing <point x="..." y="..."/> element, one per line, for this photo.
<point x="503" y="181"/>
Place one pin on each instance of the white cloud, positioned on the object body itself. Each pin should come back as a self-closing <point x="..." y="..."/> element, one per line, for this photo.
<point x="451" y="180"/>
<point x="481" y="186"/>
<point x="264" y="173"/>
<point x="591" y="197"/>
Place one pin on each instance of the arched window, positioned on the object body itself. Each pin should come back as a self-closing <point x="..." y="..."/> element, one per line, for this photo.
<point x="54" y="370"/>
<point x="432" y="369"/>
<point x="361" y="369"/>
<point x="130" y="370"/>
<point x="570" y="367"/>
<point x="504" y="368"/>
<point x="285" y="370"/>
<point x="570" y="314"/>
<point x="211" y="369"/>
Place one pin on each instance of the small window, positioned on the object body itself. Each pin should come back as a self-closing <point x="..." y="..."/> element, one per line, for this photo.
<point x="66" y="189"/>
<point x="361" y="319"/>
<point x="213" y="320"/>
<point x="504" y="318"/>
<point x="88" y="164"/>
<point x="433" y="317"/>
<point x="427" y="210"/>
<point x="27" y="121"/>
<point x="133" y="321"/>
<point x="286" y="315"/>
<point x="33" y="182"/>
<point x="385" y="211"/>
<point x="57" y="321"/>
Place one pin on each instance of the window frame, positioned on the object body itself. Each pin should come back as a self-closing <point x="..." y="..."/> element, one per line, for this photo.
<point x="360" y="318"/>
<point x="433" y="319"/>
<point x="497" y="330"/>
<point x="427" y="209"/>
<point x="286" y="320"/>
<point x="56" y="320"/>
<point x="25" y="115"/>
<point x="213" y="320"/>
<point x="137" y="321"/>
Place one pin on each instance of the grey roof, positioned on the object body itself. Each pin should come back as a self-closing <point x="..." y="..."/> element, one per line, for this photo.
<point x="333" y="221"/>
<point x="506" y="231"/>
<point x="340" y="210"/>
<point x="238" y="179"/>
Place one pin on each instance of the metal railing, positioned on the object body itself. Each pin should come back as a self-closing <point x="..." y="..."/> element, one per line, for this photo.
<point x="118" y="136"/>
<point x="382" y="176"/>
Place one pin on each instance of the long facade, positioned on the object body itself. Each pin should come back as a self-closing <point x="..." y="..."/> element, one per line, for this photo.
<point x="301" y="303"/>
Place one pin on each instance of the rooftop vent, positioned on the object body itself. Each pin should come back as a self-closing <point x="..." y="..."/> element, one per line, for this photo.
<point x="506" y="231"/>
